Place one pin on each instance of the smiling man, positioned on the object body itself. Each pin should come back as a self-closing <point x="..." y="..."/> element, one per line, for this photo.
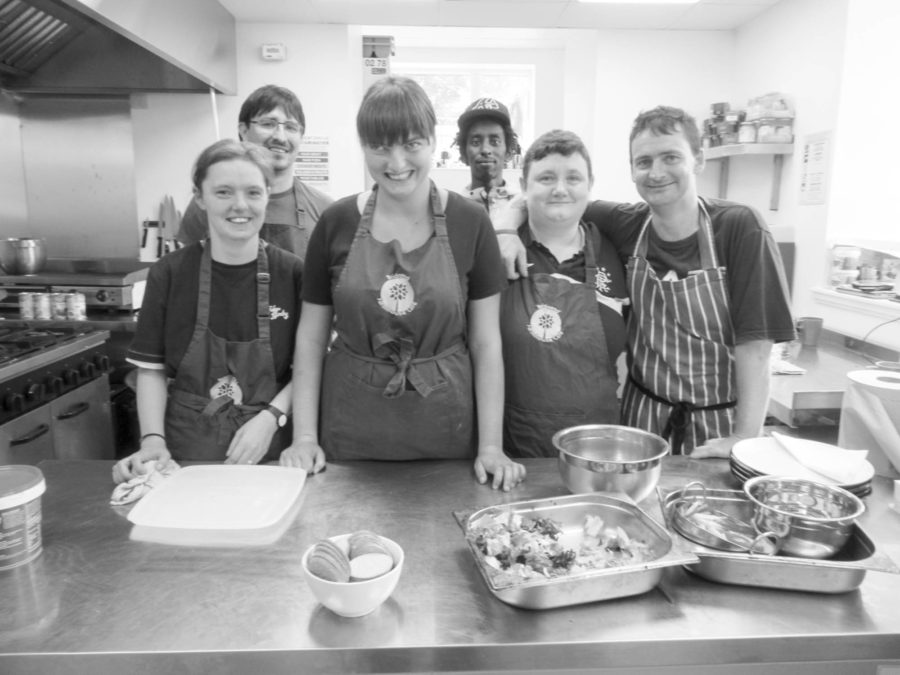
<point x="272" y="117"/>
<point x="486" y="143"/>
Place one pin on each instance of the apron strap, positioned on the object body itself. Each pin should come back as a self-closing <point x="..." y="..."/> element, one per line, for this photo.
<point x="680" y="415"/>
<point x="263" y="279"/>
<point x="708" y="257"/>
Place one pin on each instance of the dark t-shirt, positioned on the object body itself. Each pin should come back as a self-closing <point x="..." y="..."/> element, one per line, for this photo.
<point x="169" y="309"/>
<point x="757" y="289"/>
<point x="469" y="230"/>
<point x="544" y="262"/>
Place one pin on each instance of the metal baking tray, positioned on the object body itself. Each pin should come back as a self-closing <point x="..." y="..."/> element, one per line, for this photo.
<point x="569" y="512"/>
<point x="839" y="574"/>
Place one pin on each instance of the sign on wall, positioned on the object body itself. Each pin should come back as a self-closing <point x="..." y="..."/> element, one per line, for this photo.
<point x="814" y="168"/>
<point x="312" y="165"/>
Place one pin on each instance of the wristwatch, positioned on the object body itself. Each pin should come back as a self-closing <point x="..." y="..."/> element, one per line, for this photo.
<point x="280" y="417"/>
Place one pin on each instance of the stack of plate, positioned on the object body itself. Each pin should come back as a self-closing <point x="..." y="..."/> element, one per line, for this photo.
<point x="767" y="457"/>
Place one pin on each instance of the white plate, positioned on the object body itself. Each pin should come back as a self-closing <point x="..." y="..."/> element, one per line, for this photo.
<point x="767" y="457"/>
<point x="219" y="505"/>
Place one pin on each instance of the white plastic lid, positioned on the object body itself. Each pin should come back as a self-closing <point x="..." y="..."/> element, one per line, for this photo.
<point x="19" y="484"/>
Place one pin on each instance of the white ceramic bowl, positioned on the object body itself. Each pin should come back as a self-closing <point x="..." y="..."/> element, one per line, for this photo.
<point x="355" y="598"/>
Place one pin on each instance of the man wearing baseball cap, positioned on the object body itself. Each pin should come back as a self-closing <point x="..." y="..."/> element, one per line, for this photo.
<point x="486" y="143"/>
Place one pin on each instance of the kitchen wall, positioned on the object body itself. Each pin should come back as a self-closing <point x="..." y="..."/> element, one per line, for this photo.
<point x="13" y="204"/>
<point x="597" y="93"/>
<point x="769" y="57"/>
<point x="823" y="54"/>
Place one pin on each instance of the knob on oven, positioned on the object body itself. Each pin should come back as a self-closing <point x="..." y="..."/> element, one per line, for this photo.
<point x="102" y="296"/>
<point x="72" y="377"/>
<point x="102" y="362"/>
<point x="55" y="385"/>
<point x="14" y="402"/>
<point x="88" y="370"/>
<point x="35" y="392"/>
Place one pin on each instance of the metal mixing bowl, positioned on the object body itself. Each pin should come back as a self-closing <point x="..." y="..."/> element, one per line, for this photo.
<point x="22" y="256"/>
<point x="610" y="458"/>
<point x="811" y="520"/>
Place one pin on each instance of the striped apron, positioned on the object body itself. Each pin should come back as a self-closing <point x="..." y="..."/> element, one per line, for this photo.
<point x="681" y="382"/>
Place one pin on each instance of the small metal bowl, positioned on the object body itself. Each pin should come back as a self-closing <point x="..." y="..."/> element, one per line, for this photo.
<point x="811" y="520"/>
<point x="610" y="458"/>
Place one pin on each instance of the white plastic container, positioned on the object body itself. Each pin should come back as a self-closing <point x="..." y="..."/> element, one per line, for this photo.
<point x="21" y="488"/>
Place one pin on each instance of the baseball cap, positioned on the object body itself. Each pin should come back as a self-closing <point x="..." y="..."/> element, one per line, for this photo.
<point x="484" y="107"/>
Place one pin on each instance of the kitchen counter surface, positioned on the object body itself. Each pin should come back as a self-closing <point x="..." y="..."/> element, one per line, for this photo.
<point x="799" y="400"/>
<point x="96" y="602"/>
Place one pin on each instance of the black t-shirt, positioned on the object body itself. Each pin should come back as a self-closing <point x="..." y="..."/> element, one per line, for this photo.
<point x="169" y="309"/>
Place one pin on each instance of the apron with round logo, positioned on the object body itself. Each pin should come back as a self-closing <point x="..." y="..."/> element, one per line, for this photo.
<point x="219" y="385"/>
<point x="558" y="369"/>
<point x="397" y="383"/>
<point x="681" y="377"/>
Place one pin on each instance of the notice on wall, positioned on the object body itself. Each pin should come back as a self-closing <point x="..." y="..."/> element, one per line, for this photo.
<point x="312" y="165"/>
<point x="814" y="168"/>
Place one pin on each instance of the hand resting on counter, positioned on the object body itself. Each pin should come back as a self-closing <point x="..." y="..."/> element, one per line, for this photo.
<point x="306" y="454"/>
<point x="715" y="447"/>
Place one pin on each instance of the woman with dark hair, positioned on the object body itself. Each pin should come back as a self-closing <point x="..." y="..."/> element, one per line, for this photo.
<point x="411" y="276"/>
<point x="215" y="334"/>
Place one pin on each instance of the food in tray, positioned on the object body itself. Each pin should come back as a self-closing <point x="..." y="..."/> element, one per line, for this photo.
<point x="366" y="557"/>
<point x="519" y="548"/>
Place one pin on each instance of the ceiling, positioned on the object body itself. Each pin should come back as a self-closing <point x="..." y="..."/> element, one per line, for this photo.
<point x="704" y="15"/>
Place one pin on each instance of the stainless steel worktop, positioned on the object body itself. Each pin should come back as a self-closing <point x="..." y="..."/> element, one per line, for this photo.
<point x="97" y="602"/>
<point x="799" y="400"/>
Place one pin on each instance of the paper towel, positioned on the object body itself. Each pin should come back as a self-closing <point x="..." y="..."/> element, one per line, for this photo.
<point x="883" y="383"/>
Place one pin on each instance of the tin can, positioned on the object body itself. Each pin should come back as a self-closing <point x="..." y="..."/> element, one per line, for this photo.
<point x="26" y="305"/>
<point x="76" y="307"/>
<point x="58" y="306"/>
<point x="42" y="306"/>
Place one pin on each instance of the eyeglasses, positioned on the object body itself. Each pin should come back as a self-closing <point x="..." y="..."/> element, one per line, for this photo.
<point x="269" y="124"/>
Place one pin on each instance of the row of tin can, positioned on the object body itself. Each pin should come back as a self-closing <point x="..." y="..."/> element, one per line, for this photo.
<point x="53" y="306"/>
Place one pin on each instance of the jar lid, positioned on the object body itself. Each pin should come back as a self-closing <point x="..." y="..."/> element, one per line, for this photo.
<point x="20" y="483"/>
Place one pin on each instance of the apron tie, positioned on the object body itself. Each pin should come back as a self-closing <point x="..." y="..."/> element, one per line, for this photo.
<point x="399" y="351"/>
<point x="680" y="416"/>
<point x="221" y="405"/>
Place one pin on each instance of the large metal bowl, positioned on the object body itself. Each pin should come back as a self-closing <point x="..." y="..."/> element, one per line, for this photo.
<point x="811" y="520"/>
<point x="610" y="458"/>
<point x="22" y="256"/>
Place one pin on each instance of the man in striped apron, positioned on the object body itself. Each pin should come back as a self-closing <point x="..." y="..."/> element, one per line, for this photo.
<point x="708" y="298"/>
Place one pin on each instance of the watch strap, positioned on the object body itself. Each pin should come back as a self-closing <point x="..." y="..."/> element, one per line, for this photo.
<point x="280" y="417"/>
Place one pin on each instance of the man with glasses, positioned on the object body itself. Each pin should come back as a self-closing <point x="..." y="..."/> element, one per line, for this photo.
<point x="272" y="117"/>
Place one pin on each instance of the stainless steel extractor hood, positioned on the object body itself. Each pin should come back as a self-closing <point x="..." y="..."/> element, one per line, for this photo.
<point x="116" y="46"/>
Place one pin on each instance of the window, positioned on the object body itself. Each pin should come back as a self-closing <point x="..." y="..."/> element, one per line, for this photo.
<point x="453" y="86"/>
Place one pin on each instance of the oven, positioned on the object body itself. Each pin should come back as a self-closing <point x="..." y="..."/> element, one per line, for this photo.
<point x="54" y="392"/>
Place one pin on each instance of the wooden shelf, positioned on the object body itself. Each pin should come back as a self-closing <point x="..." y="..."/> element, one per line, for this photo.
<point x="726" y="152"/>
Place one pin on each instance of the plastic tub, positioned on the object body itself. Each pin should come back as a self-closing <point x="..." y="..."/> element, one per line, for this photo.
<point x="21" y="488"/>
